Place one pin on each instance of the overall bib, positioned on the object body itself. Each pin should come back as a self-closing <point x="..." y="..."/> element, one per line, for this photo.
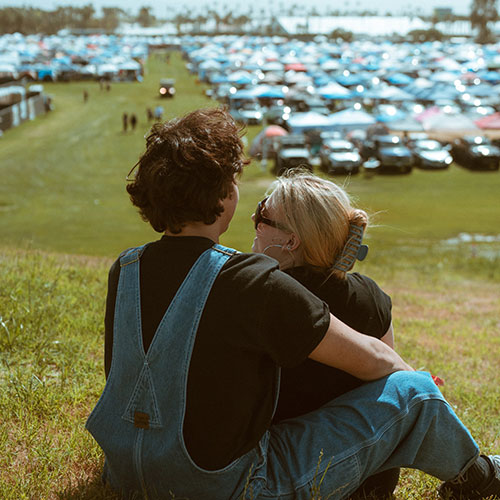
<point x="138" y="420"/>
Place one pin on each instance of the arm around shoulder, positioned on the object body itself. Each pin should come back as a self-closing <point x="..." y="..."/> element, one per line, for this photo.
<point x="365" y="357"/>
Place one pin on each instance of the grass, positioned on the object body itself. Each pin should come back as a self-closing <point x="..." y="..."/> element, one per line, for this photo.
<point x="64" y="216"/>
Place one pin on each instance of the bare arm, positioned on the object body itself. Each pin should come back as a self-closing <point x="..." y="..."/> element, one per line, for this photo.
<point x="388" y="337"/>
<point x="363" y="356"/>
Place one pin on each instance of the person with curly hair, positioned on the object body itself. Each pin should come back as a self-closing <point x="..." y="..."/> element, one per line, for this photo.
<point x="196" y="334"/>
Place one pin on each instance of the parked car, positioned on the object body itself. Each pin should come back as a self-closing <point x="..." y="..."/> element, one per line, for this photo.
<point x="476" y="153"/>
<point x="339" y="156"/>
<point x="249" y="113"/>
<point x="278" y="115"/>
<point x="392" y="154"/>
<point x="430" y="154"/>
<point x="167" y="87"/>
<point x="292" y="152"/>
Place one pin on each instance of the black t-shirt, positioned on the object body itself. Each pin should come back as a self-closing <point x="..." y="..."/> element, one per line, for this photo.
<point x="256" y="317"/>
<point x="357" y="301"/>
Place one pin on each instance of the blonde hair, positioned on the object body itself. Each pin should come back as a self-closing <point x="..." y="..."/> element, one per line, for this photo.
<point x="320" y="213"/>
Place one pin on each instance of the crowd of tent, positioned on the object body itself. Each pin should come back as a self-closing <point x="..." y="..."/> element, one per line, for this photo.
<point x="329" y="86"/>
<point x="303" y="86"/>
<point x="67" y="57"/>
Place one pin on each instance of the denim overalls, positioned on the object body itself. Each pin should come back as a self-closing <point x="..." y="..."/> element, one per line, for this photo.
<point x="400" y="420"/>
<point x="139" y="418"/>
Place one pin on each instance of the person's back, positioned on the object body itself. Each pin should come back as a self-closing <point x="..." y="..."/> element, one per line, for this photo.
<point x="141" y="430"/>
<point x="358" y="302"/>
<point x="221" y="369"/>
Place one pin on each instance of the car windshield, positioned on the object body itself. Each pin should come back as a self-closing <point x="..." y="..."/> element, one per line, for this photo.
<point x="429" y="145"/>
<point x="484" y="149"/>
<point x="388" y="142"/>
<point x="339" y="146"/>
<point x="250" y="106"/>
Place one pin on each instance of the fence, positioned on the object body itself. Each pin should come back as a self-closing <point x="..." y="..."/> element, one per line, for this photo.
<point x="27" y="109"/>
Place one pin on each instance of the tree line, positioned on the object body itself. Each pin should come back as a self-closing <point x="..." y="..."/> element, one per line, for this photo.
<point x="29" y="20"/>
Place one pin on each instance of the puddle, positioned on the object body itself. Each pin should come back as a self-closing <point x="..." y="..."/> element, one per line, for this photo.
<point x="473" y="238"/>
<point x="479" y="245"/>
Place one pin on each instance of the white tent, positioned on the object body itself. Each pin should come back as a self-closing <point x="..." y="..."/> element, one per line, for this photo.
<point x="350" y="119"/>
<point x="302" y="122"/>
<point x="444" y="121"/>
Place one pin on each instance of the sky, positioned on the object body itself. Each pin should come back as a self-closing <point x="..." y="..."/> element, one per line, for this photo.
<point x="164" y="8"/>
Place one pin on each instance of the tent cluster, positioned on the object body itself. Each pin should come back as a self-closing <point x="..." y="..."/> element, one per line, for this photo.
<point x="412" y="87"/>
<point x="67" y="57"/>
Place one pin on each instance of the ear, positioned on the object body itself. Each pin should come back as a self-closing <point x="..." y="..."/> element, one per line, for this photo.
<point x="292" y="243"/>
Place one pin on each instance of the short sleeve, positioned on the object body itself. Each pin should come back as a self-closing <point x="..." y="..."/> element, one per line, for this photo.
<point x="294" y="320"/>
<point x="373" y="303"/>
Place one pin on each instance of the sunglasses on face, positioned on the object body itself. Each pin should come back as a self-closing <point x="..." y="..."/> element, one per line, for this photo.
<point x="260" y="218"/>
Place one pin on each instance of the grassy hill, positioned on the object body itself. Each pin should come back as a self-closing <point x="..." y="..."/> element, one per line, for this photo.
<point x="64" y="215"/>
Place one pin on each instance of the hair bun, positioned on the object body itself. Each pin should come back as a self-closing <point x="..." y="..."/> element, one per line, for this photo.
<point x="358" y="217"/>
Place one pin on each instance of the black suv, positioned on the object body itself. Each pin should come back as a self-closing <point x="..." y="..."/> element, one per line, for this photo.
<point x="167" y="87"/>
<point x="292" y="152"/>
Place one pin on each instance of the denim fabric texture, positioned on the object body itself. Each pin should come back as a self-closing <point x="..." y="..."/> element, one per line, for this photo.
<point x="138" y="419"/>
<point x="400" y="420"/>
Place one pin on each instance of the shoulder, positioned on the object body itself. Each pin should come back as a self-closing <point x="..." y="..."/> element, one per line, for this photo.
<point x="257" y="277"/>
<point x="365" y="293"/>
<point x="361" y="282"/>
<point x="114" y="270"/>
<point x="256" y="270"/>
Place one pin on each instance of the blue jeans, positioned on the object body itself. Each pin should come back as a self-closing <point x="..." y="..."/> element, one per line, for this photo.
<point x="398" y="421"/>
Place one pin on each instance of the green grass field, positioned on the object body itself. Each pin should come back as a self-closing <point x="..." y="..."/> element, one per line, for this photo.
<point x="65" y="215"/>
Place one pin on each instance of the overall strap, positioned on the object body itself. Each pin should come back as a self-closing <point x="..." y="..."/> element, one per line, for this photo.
<point x="132" y="255"/>
<point x="189" y="301"/>
<point x="169" y="354"/>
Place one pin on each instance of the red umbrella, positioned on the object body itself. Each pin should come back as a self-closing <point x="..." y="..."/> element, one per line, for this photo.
<point x="274" y="131"/>
<point x="490" y="121"/>
<point x="267" y="133"/>
<point x="295" y="67"/>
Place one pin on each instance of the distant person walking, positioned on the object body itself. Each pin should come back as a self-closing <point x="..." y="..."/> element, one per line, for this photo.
<point x="149" y="114"/>
<point x="158" y="113"/>
<point x="125" y="122"/>
<point x="85" y="96"/>
<point x="133" y="121"/>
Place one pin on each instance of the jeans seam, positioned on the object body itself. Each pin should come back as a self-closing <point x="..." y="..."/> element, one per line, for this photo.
<point x="351" y="452"/>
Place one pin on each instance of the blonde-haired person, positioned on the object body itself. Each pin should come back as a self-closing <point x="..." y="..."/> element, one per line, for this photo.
<point x="310" y="227"/>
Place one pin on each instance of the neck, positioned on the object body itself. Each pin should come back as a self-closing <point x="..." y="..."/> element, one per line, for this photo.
<point x="211" y="231"/>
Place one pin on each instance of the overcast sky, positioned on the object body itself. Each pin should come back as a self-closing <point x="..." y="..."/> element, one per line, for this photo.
<point x="164" y="8"/>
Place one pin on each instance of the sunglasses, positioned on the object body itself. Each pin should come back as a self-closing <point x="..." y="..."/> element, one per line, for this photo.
<point x="260" y="218"/>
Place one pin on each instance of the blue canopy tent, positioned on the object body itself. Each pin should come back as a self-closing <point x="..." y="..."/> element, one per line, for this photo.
<point x="300" y="123"/>
<point x="437" y="93"/>
<point x="390" y="113"/>
<point x="218" y="78"/>
<point x="399" y="79"/>
<point x="489" y="76"/>
<point x="244" y="94"/>
<point x="481" y="90"/>
<point x="268" y="91"/>
<point x="334" y="91"/>
<point x="349" y="80"/>
<point x="241" y="78"/>
<point x="390" y="93"/>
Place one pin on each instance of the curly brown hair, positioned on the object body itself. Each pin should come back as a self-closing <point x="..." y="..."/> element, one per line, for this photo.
<point x="188" y="168"/>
